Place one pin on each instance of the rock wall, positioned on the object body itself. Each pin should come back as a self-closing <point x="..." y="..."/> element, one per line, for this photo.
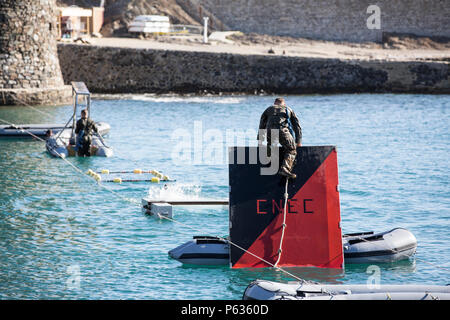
<point x="344" y="20"/>
<point x="30" y="71"/>
<point x="333" y="19"/>
<point x="127" y="70"/>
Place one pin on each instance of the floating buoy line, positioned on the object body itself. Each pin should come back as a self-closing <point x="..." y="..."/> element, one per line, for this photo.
<point x="157" y="176"/>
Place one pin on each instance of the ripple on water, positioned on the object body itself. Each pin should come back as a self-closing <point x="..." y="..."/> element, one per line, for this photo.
<point x="63" y="237"/>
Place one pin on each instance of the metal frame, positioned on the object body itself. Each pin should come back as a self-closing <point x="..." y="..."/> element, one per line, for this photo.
<point x="79" y="89"/>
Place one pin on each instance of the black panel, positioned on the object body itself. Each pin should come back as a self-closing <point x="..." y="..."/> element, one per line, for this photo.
<point x="247" y="185"/>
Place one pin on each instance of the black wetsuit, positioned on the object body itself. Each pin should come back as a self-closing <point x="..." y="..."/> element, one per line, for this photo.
<point x="278" y="117"/>
<point x="84" y="129"/>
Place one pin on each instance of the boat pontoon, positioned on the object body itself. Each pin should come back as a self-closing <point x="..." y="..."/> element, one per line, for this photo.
<point x="365" y="247"/>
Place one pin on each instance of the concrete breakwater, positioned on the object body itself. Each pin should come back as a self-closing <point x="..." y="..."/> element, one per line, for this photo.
<point x="134" y="70"/>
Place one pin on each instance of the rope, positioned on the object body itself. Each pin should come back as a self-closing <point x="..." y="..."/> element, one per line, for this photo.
<point x="31" y="107"/>
<point x="240" y="248"/>
<point x="280" y="250"/>
<point x="431" y="296"/>
<point x="101" y="139"/>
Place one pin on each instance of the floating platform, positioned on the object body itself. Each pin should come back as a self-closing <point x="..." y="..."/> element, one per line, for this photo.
<point x="365" y="247"/>
<point x="40" y="130"/>
<point x="161" y="207"/>
<point x="188" y="202"/>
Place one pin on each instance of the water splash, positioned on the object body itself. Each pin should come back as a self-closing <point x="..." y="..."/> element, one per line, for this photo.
<point x="176" y="191"/>
<point x="184" y="99"/>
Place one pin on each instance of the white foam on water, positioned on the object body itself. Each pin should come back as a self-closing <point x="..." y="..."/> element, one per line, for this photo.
<point x="175" y="191"/>
<point x="181" y="99"/>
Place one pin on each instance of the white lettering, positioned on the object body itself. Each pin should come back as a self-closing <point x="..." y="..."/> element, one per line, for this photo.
<point x="374" y="20"/>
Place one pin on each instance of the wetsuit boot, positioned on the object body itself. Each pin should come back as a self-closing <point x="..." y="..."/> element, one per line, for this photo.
<point x="286" y="173"/>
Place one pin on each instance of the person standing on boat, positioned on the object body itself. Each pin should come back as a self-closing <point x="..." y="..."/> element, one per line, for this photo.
<point x="84" y="130"/>
<point x="282" y="118"/>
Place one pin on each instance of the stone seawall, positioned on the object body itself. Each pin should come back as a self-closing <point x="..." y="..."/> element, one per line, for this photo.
<point x="29" y="67"/>
<point x="129" y="70"/>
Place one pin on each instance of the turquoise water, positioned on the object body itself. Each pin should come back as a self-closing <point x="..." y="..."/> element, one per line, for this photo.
<point x="63" y="237"/>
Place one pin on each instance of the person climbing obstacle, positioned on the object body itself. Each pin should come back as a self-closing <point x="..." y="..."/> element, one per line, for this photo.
<point x="283" y="119"/>
<point x="84" y="130"/>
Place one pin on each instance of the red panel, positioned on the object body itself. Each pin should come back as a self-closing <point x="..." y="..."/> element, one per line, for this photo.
<point x="313" y="235"/>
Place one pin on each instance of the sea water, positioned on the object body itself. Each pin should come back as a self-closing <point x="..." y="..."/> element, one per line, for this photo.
<point x="64" y="237"/>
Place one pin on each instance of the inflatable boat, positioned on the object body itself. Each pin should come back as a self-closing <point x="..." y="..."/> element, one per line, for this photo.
<point x="40" y="130"/>
<point x="394" y="245"/>
<point x="365" y="247"/>
<point x="269" y="290"/>
<point x="202" y="250"/>
<point x="60" y="145"/>
<point x="63" y="144"/>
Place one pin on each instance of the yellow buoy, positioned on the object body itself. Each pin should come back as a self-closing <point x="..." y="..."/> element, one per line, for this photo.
<point x="117" y="180"/>
<point x="90" y="172"/>
<point x="155" y="180"/>
<point x="105" y="171"/>
<point x="137" y="171"/>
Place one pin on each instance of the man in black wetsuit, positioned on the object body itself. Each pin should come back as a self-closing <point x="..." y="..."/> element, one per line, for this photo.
<point x="282" y="118"/>
<point x="84" y="130"/>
